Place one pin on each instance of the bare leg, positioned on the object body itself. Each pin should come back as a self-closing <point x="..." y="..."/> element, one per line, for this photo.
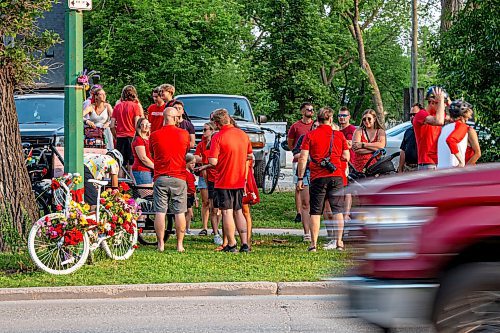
<point x="347" y="207"/>
<point x="180" y="229"/>
<point x="229" y="226"/>
<point x="205" y="208"/>
<point x="241" y="225"/>
<point x="248" y="218"/>
<point x="214" y="217"/>
<point x="305" y="207"/>
<point x="189" y="216"/>
<point x="315" y="223"/>
<point x="339" y="218"/>
<point x="298" y="203"/>
<point x="329" y="223"/>
<point x="160" y="230"/>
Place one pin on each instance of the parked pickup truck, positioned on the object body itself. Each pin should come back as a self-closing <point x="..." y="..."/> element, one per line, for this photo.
<point x="200" y="106"/>
<point x="431" y="250"/>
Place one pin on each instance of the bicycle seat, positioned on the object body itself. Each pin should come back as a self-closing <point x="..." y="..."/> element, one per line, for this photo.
<point x="98" y="182"/>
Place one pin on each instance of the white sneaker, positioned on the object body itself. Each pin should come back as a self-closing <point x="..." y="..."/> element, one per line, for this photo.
<point x="189" y="232"/>
<point x="217" y="240"/>
<point x="307" y="237"/>
<point x="331" y="245"/>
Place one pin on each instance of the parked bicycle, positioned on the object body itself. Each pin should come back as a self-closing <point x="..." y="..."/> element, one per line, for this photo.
<point x="60" y="243"/>
<point x="273" y="166"/>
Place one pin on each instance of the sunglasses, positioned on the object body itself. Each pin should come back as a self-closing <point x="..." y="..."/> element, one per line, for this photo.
<point x="207" y="129"/>
<point x="310" y="110"/>
<point x="413" y="114"/>
<point x="343" y="115"/>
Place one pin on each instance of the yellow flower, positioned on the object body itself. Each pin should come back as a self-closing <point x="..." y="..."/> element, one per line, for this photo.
<point x="83" y="221"/>
<point x="72" y="215"/>
<point x="104" y="194"/>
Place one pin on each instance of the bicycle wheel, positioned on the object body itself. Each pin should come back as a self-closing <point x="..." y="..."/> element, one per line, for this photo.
<point x="52" y="255"/>
<point x="271" y="174"/>
<point x="148" y="236"/>
<point x="121" y="245"/>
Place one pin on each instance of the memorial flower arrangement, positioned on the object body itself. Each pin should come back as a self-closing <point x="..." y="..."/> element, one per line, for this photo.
<point x="118" y="211"/>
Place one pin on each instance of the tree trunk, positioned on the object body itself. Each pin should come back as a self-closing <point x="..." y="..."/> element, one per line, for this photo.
<point x="358" y="35"/>
<point x="16" y="197"/>
<point x="449" y="8"/>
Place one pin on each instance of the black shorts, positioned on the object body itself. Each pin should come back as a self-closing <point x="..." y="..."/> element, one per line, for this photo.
<point x="211" y="189"/>
<point x="228" y="199"/>
<point x="124" y="146"/>
<point x="330" y="187"/>
<point x="90" y="191"/>
<point x="190" y="200"/>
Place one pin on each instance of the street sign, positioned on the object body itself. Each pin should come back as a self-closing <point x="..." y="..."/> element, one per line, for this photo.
<point x="80" y="4"/>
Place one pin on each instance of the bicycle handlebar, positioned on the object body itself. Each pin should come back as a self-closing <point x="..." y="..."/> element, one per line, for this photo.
<point x="273" y="131"/>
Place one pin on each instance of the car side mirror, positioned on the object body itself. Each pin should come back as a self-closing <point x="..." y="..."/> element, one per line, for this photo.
<point x="262" y="119"/>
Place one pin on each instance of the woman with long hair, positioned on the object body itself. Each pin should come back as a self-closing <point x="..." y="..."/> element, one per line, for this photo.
<point x="143" y="162"/>
<point x="98" y="115"/>
<point x="368" y="137"/>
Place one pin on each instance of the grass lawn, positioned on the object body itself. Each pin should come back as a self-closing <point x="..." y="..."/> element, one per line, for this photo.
<point x="273" y="258"/>
<point x="275" y="210"/>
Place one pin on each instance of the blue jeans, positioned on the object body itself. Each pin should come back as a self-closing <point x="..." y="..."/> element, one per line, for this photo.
<point x="142" y="177"/>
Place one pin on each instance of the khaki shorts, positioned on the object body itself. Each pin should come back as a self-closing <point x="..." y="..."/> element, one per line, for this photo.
<point x="169" y="190"/>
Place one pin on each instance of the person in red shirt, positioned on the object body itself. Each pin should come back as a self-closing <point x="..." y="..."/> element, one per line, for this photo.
<point x="298" y="129"/>
<point x="155" y="111"/>
<point x="123" y="123"/>
<point x="229" y="151"/>
<point x="348" y="130"/>
<point x="473" y="152"/>
<point x="192" y="200"/>
<point x="143" y="162"/>
<point x="427" y="126"/>
<point x="169" y="146"/>
<point x="325" y="148"/>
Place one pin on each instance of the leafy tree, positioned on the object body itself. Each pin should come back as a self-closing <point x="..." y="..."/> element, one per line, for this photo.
<point x="468" y="54"/>
<point x="21" y="47"/>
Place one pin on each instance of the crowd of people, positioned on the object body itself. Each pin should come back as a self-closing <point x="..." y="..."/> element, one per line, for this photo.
<point x="325" y="153"/>
<point x="153" y="147"/>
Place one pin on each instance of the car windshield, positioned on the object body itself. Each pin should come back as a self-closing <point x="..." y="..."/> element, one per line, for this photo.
<point x="200" y="107"/>
<point x="398" y="129"/>
<point x="40" y="110"/>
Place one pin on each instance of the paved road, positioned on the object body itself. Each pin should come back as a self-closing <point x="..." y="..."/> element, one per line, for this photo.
<point x="190" y="314"/>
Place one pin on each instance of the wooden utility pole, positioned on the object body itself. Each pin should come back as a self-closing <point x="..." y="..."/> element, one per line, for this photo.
<point x="414" y="53"/>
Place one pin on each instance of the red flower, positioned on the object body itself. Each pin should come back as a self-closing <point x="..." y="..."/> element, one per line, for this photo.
<point x="55" y="184"/>
<point x="124" y="186"/>
<point x="59" y="207"/>
<point x="114" y="218"/>
<point x="135" y="246"/>
<point x="111" y="233"/>
<point x="73" y="237"/>
<point x="140" y="230"/>
<point x="103" y="201"/>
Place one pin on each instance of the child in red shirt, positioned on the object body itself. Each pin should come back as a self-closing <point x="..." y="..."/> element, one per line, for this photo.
<point x="191" y="191"/>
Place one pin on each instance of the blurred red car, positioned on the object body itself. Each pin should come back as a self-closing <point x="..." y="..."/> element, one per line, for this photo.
<point x="431" y="250"/>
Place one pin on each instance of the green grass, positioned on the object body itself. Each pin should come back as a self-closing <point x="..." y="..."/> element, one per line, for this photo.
<point x="275" y="210"/>
<point x="269" y="261"/>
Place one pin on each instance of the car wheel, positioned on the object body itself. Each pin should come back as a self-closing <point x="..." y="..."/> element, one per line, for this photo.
<point x="469" y="299"/>
<point x="258" y="171"/>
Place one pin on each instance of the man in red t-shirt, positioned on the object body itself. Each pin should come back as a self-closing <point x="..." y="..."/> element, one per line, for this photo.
<point x="427" y="126"/>
<point x="169" y="146"/>
<point x="326" y="149"/>
<point x="167" y="92"/>
<point x="230" y="149"/>
<point x="299" y="128"/>
<point x="347" y="129"/>
<point x="155" y="111"/>
<point x="123" y="121"/>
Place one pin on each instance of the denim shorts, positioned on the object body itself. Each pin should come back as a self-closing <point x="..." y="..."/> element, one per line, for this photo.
<point x="307" y="177"/>
<point x="142" y="177"/>
<point x="202" y="184"/>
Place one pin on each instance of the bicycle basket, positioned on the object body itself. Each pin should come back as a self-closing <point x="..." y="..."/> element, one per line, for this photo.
<point x="382" y="167"/>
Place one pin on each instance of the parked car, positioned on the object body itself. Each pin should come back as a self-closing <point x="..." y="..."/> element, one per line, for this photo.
<point x="41" y="118"/>
<point x="430" y="250"/>
<point x="200" y="106"/>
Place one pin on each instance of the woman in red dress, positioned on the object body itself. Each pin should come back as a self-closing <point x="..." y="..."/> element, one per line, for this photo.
<point x="367" y="138"/>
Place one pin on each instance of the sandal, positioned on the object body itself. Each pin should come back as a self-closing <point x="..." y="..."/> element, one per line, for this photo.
<point x="311" y="249"/>
<point x="203" y="232"/>
<point x="340" y="248"/>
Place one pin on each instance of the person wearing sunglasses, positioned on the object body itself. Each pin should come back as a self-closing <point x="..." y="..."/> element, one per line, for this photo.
<point x="299" y="128"/>
<point x="427" y="124"/>
<point x="408" y="157"/>
<point x="368" y="137"/>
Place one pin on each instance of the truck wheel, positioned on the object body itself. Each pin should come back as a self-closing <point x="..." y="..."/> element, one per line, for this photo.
<point x="258" y="171"/>
<point x="468" y="299"/>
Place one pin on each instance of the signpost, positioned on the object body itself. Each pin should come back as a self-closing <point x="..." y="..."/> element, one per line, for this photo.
<point x="74" y="93"/>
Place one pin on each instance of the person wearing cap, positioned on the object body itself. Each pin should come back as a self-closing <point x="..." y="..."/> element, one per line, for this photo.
<point x="452" y="142"/>
<point x="184" y="121"/>
<point x="427" y="126"/>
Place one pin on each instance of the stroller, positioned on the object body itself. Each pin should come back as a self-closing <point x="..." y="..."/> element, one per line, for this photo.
<point x="384" y="166"/>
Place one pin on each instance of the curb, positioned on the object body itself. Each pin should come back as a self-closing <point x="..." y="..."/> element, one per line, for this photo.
<point x="172" y="290"/>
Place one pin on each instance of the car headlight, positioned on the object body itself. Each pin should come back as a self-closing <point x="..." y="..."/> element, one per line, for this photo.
<point x="59" y="142"/>
<point x="393" y="232"/>
<point x="258" y="140"/>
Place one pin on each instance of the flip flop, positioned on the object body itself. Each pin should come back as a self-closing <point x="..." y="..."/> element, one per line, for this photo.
<point x="311" y="249"/>
<point x="340" y="248"/>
